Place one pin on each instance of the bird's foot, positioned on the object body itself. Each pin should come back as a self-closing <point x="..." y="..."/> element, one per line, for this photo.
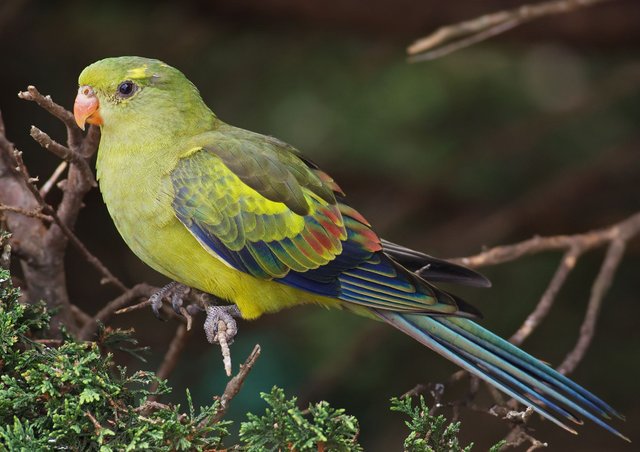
<point x="220" y="328"/>
<point x="176" y="293"/>
<point x="220" y="324"/>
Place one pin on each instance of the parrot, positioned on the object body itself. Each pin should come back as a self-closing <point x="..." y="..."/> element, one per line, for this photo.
<point x="249" y="219"/>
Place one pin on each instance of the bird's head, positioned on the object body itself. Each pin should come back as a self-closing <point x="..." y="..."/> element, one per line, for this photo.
<point x="127" y="90"/>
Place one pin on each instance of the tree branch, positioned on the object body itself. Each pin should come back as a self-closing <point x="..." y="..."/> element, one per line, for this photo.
<point x="74" y="134"/>
<point x="64" y="153"/>
<point x="171" y="356"/>
<point x="543" y="307"/>
<point x="137" y="291"/>
<point x="235" y="384"/>
<point x="450" y="38"/>
<point x="625" y="230"/>
<point x="598" y="290"/>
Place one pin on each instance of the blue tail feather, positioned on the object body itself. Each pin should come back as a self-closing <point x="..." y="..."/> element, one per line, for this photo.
<point x="505" y="366"/>
<point x="519" y="357"/>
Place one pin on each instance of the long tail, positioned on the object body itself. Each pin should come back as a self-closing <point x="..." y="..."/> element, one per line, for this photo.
<point x="506" y="367"/>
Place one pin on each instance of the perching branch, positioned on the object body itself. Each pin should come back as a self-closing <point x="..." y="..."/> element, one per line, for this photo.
<point x="450" y="38"/>
<point x="138" y="291"/>
<point x="235" y="384"/>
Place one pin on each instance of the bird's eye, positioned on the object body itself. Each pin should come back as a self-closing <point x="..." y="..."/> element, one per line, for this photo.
<point x="126" y="89"/>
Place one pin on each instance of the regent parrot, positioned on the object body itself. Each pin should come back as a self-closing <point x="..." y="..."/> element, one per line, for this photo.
<point x="247" y="218"/>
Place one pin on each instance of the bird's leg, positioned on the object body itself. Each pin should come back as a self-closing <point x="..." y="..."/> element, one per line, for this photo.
<point x="218" y="314"/>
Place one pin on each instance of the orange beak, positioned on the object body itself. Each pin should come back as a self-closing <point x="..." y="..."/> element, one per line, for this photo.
<point x="86" y="108"/>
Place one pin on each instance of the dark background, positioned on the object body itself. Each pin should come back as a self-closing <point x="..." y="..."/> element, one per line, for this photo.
<point x="533" y="132"/>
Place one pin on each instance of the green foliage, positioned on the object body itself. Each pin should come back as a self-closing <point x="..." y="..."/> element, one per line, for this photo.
<point x="430" y="433"/>
<point x="320" y="427"/>
<point x="69" y="397"/>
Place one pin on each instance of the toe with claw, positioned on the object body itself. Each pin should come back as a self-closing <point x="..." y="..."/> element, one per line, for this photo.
<point x="176" y="293"/>
<point x="220" y="328"/>
<point x="219" y="317"/>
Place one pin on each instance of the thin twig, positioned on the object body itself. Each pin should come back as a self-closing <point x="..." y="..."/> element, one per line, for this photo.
<point x="598" y="290"/>
<point x="94" y="421"/>
<point x="74" y="134"/>
<point x="137" y="291"/>
<point x="519" y="435"/>
<point x="235" y="384"/>
<point x="454" y="37"/>
<point x="507" y="253"/>
<point x="134" y="307"/>
<point x="150" y="406"/>
<point x="171" y="357"/>
<point x="47" y="209"/>
<point x="82" y="317"/>
<point x="64" y="153"/>
<point x="547" y="300"/>
<point x="48" y="185"/>
<point x="616" y="237"/>
<point x="34" y="213"/>
<point x="90" y="257"/>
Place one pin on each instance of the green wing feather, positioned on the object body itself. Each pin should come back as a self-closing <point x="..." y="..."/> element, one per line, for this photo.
<point x="257" y="206"/>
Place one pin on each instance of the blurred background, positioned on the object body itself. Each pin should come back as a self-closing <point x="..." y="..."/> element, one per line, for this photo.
<point x="533" y="132"/>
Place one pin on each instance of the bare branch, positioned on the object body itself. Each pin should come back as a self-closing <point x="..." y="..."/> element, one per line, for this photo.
<point x="91" y="258"/>
<point x="64" y="153"/>
<point x="47" y="209"/>
<point x="584" y="242"/>
<point x="81" y="317"/>
<point x="137" y="291"/>
<point x="74" y="134"/>
<point x="543" y="307"/>
<point x="48" y="185"/>
<point x="598" y="290"/>
<point x="5" y="249"/>
<point x="171" y="357"/>
<point x="519" y="436"/>
<point x="90" y="143"/>
<point x="94" y="421"/>
<point x="616" y="238"/>
<point x="43" y="270"/>
<point x="33" y="213"/>
<point x="235" y="384"/>
<point x="134" y="307"/>
<point x="454" y="37"/>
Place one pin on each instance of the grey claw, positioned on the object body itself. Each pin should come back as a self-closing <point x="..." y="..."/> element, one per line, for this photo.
<point x="157" y="298"/>
<point x="177" y="297"/>
<point x="155" y="307"/>
<point x="226" y="314"/>
<point x="193" y="309"/>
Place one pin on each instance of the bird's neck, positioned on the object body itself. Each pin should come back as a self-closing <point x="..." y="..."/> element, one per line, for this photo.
<point x="151" y="141"/>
